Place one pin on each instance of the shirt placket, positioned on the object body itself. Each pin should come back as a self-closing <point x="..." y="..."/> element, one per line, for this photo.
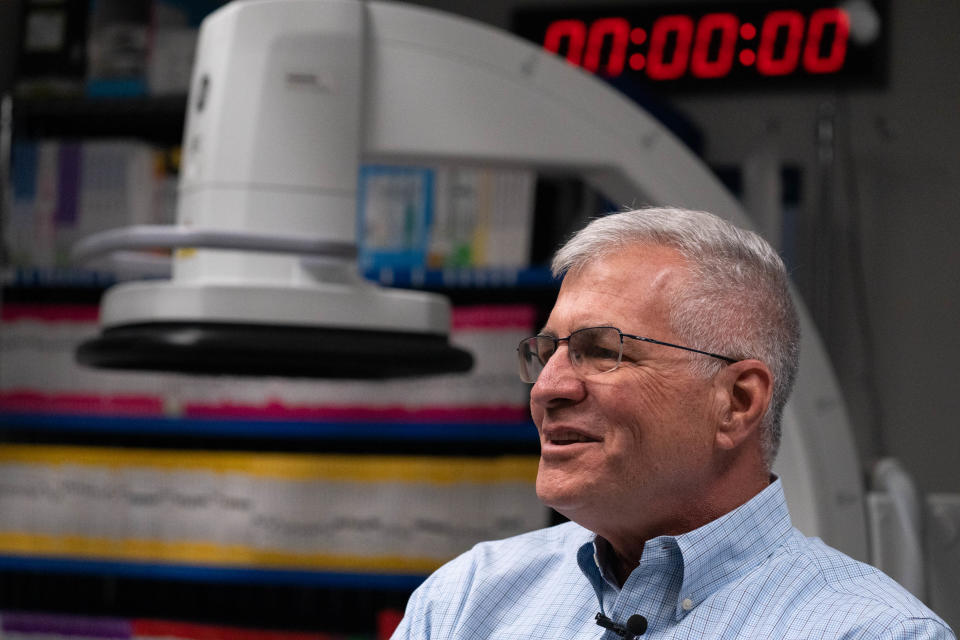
<point x="651" y="589"/>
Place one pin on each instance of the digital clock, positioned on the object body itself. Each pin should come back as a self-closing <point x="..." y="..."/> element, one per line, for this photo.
<point x="716" y="44"/>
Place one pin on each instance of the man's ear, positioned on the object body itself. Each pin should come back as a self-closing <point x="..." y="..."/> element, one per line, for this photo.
<point x="745" y="392"/>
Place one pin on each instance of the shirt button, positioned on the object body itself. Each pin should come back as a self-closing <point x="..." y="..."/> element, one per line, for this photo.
<point x="687" y="604"/>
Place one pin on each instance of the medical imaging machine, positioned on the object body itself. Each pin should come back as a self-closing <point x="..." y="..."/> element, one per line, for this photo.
<point x="288" y="97"/>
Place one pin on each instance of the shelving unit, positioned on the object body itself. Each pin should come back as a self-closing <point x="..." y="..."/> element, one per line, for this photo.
<point x="278" y="598"/>
<point x="320" y="600"/>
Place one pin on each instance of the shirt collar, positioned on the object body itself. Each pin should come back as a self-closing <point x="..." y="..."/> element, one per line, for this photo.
<point x="716" y="553"/>
<point x="732" y="545"/>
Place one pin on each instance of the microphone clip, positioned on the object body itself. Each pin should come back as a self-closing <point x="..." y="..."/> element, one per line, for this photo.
<point x="636" y="626"/>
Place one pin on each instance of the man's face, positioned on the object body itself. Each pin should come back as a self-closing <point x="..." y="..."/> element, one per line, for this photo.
<point x="630" y="448"/>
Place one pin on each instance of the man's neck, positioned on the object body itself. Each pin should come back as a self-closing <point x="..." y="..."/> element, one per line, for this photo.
<point x="625" y="548"/>
<point x="622" y="567"/>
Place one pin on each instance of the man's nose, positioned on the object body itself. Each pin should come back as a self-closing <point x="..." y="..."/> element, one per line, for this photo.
<point x="558" y="382"/>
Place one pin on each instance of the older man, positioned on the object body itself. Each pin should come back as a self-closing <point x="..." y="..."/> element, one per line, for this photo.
<point x="659" y="381"/>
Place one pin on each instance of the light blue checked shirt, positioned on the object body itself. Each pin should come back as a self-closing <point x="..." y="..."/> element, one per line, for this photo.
<point x="748" y="574"/>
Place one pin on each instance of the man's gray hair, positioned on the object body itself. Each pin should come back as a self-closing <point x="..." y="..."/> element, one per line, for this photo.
<point x="736" y="302"/>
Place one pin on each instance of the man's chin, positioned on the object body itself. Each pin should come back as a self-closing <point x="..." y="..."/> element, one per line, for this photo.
<point x="564" y="498"/>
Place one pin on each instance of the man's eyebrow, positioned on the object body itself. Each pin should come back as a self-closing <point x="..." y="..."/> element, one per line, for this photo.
<point x="586" y="325"/>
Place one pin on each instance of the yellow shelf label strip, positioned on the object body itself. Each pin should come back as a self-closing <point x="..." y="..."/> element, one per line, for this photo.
<point x="286" y="466"/>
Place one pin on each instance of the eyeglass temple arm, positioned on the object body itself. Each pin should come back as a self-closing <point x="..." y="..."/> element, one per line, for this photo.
<point x="677" y="346"/>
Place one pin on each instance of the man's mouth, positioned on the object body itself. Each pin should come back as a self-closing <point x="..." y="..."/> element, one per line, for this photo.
<point x="562" y="437"/>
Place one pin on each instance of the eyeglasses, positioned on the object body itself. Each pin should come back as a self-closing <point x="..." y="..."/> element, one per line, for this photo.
<point x="591" y="350"/>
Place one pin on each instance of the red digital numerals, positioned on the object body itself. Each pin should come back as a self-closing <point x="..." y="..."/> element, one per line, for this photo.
<point x="678" y="45"/>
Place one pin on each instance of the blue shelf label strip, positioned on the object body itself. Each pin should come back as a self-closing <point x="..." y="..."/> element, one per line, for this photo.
<point x="196" y="573"/>
<point x="404" y="277"/>
<point x="523" y="431"/>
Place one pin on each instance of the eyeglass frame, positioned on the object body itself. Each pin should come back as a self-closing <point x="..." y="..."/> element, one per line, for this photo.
<point x="557" y="341"/>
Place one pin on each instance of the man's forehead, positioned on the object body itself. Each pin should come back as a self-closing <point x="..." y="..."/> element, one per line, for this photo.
<point x="627" y="289"/>
<point x="635" y="267"/>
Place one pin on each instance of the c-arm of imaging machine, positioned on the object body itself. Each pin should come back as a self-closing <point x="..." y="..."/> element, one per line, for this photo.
<point x="289" y="96"/>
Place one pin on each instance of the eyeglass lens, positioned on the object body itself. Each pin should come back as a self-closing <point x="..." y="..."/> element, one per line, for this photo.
<point x="591" y="350"/>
